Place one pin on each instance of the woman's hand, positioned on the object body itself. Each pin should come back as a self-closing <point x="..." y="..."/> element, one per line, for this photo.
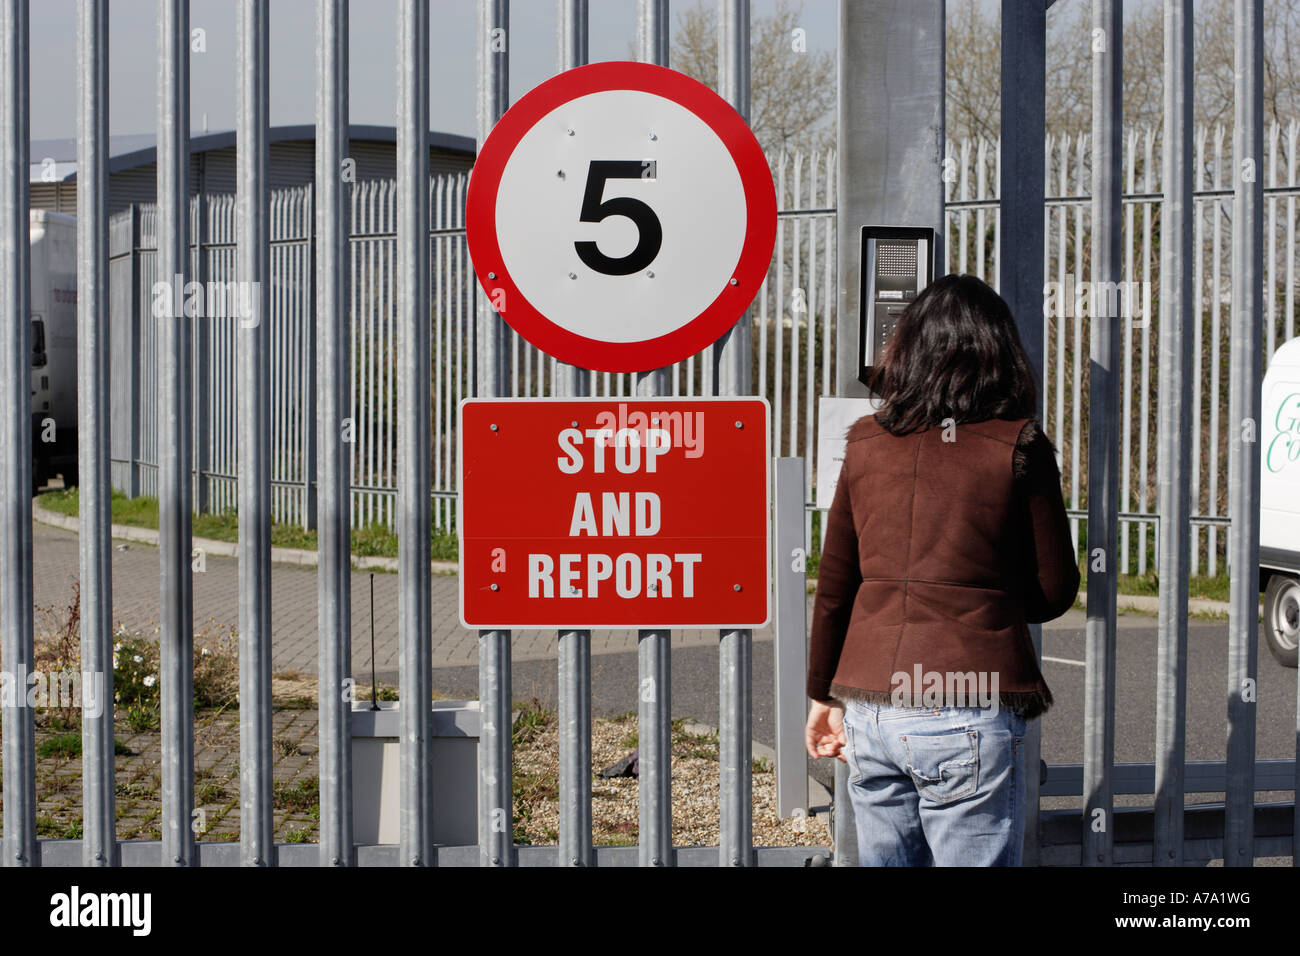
<point x="824" y="734"/>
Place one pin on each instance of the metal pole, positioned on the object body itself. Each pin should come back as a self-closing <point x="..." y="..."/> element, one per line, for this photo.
<point x="252" y="120"/>
<point x="575" y="847"/>
<point x="790" y="653"/>
<point x="1245" y="363"/>
<point x="891" y="103"/>
<point x="1020" y="260"/>
<point x="333" y="452"/>
<point x="735" y="648"/>
<point x="99" y="842"/>
<point x="19" y="743"/>
<point x="414" y="428"/>
<point x="1174" y="435"/>
<point x="496" y="791"/>
<point x="175" y="406"/>
<point x="1103" y="439"/>
<point x="571" y="30"/>
<point x="654" y="660"/>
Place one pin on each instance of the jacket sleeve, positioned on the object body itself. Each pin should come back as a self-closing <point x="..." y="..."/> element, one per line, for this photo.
<point x="1052" y="570"/>
<point x="839" y="576"/>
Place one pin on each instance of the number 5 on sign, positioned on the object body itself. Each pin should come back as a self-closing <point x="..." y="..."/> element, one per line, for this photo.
<point x="650" y="235"/>
<point x="627" y="214"/>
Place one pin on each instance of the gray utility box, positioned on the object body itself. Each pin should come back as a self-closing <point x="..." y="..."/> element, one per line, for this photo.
<point x="376" y="771"/>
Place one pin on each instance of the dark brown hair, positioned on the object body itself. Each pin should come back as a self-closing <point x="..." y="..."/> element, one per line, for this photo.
<point x="955" y="354"/>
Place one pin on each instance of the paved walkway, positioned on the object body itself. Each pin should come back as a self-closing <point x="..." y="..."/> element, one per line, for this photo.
<point x="136" y="599"/>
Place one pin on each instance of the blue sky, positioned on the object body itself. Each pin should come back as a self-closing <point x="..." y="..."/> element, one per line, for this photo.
<point x="372" y="28"/>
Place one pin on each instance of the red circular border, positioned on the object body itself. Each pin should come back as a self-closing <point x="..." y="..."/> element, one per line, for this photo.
<point x="755" y="254"/>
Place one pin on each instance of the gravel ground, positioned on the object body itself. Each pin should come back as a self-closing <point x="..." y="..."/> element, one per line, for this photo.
<point x="615" y="805"/>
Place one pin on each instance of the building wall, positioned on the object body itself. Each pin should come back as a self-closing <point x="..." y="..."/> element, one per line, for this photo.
<point x="293" y="163"/>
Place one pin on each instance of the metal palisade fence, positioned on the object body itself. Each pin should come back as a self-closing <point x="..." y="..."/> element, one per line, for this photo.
<point x="793" y="328"/>
<point x="310" y="403"/>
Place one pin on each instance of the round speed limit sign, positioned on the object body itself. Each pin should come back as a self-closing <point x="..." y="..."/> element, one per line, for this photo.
<point x="621" y="216"/>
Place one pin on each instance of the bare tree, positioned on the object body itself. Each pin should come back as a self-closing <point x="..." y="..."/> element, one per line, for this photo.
<point x="974" y="80"/>
<point x="792" y="87"/>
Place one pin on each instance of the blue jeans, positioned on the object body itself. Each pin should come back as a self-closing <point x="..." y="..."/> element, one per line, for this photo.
<point x="936" y="786"/>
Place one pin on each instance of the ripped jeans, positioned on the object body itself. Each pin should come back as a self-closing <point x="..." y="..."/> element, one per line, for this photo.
<point x="936" y="786"/>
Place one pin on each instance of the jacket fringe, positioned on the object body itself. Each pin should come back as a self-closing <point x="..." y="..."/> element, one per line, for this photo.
<point x="1030" y="704"/>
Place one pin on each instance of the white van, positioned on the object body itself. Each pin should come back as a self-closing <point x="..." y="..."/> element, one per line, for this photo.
<point x="54" y="347"/>
<point x="1279" y="503"/>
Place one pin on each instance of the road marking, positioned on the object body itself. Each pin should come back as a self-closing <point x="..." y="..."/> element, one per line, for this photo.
<point x="1065" y="660"/>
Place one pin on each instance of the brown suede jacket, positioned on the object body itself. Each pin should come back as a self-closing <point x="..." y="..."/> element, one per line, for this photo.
<point x="940" y="546"/>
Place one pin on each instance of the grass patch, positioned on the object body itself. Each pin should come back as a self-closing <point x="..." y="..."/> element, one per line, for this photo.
<point x="142" y="512"/>
<point x="1201" y="586"/>
<point x="304" y="795"/>
<point x="69" y="745"/>
<point x="532" y="720"/>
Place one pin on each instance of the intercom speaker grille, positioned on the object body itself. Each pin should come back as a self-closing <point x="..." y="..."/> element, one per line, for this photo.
<point x="896" y="259"/>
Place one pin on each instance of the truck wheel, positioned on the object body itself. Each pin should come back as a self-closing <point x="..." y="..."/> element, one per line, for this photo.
<point x="1282" y="618"/>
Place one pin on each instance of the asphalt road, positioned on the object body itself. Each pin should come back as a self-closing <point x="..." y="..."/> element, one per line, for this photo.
<point x="695" y="693"/>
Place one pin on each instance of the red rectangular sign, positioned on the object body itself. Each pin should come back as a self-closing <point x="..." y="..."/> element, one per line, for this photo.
<point x="603" y="513"/>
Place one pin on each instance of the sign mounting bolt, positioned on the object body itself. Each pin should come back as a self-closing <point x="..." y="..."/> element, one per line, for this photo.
<point x="573" y="275"/>
<point x="492" y="275"/>
<point x="494" y="426"/>
<point x="650" y="273"/>
<point x="574" y="424"/>
<point x="740" y="424"/>
<point x="497" y="587"/>
<point x="735" y="281"/>
<point x="570" y="131"/>
<point x="735" y="587"/>
<point x="653" y="137"/>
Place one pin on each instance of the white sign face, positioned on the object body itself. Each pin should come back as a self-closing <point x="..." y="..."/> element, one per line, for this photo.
<point x="621" y="217"/>
<point x="835" y="416"/>
<point x="542" y="192"/>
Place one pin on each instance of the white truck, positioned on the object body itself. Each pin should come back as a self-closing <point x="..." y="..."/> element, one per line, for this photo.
<point x="54" y="347"/>
<point x="1279" y="503"/>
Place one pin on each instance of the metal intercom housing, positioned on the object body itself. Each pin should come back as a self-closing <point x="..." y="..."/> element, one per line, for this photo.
<point x="897" y="263"/>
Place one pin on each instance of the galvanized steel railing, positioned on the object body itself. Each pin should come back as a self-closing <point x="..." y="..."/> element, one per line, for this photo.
<point x="277" y="357"/>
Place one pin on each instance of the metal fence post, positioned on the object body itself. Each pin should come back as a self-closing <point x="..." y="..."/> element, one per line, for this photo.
<point x="99" y="843"/>
<point x="496" y="793"/>
<point x="1244" y="400"/>
<point x="574" y="663"/>
<point x="790" y="653"/>
<point x="1020" y="261"/>
<point x="1103" y="439"/>
<point x="414" y="427"/>
<point x="654" y="648"/>
<point x="735" y="648"/>
<point x="252" y="120"/>
<point x="891" y="81"/>
<point x="201" y="337"/>
<point x="16" y="621"/>
<point x="1174" y="435"/>
<point x="309" y="367"/>
<point x="333" y="449"/>
<point x="175" y="497"/>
